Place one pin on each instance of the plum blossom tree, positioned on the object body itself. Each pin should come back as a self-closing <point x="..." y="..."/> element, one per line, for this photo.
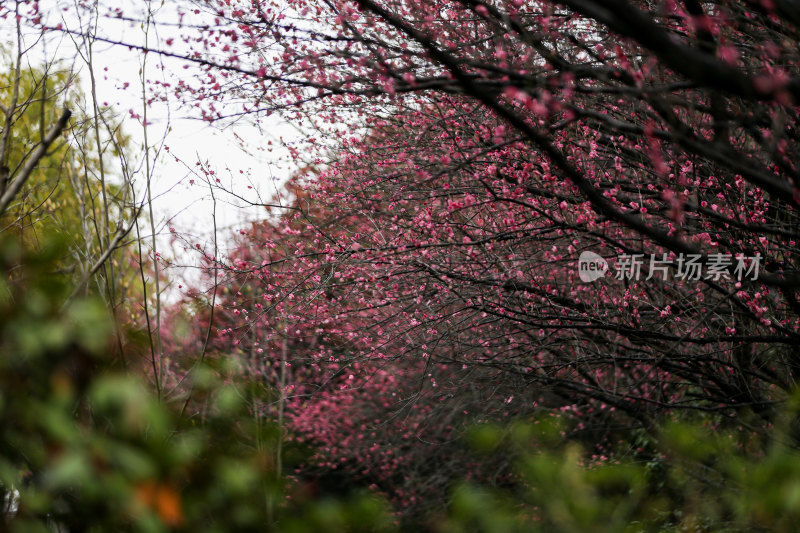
<point x="649" y="128"/>
<point x="466" y="154"/>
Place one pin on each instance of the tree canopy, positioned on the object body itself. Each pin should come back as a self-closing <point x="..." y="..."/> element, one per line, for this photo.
<point x="502" y="213"/>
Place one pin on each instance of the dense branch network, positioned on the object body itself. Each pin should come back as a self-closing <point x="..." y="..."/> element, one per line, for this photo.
<point x="468" y="153"/>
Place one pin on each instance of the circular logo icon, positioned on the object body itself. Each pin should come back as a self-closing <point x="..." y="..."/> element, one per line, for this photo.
<point x="591" y="267"/>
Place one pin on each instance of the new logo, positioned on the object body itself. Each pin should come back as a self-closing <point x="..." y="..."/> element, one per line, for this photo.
<point x="591" y="267"/>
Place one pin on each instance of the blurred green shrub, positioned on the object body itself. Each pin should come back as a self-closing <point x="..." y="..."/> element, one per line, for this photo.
<point x="695" y="479"/>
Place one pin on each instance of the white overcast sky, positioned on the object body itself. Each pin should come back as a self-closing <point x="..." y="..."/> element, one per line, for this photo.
<point x="178" y="203"/>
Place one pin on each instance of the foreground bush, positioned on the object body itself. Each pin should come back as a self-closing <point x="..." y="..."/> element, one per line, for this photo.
<point x="689" y="477"/>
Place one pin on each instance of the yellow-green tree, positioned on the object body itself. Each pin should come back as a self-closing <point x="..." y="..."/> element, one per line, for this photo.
<point x="63" y="177"/>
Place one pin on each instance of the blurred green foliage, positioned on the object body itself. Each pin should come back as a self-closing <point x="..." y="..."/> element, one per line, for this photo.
<point x="695" y="478"/>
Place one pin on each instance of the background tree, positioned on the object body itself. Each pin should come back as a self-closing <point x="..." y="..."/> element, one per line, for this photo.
<point x="468" y="152"/>
<point x="497" y="141"/>
<point x="621" y="148"/>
